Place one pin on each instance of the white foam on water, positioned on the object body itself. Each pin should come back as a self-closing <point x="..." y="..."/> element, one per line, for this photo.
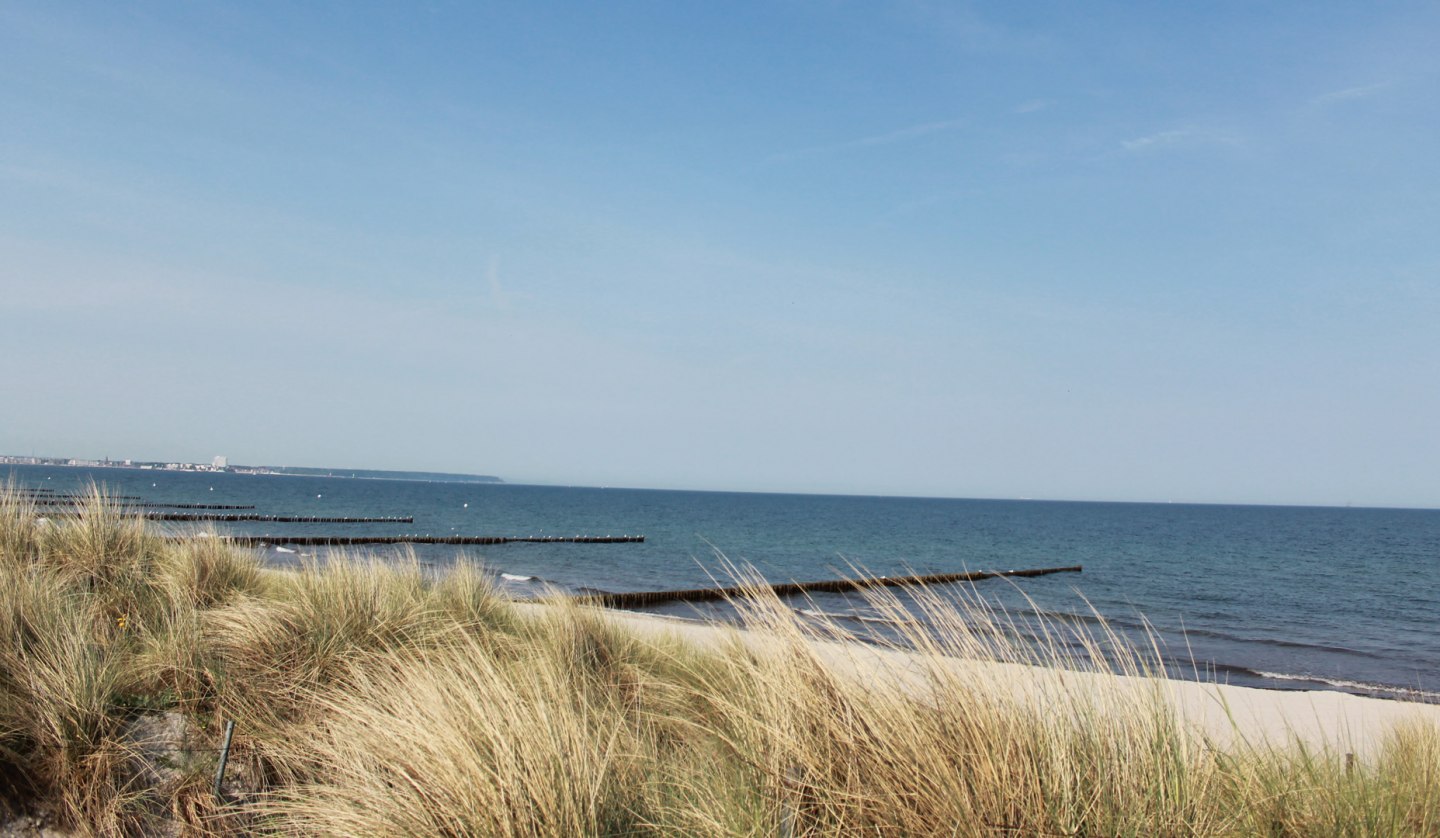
<point x="1409" y="693"/>
<point x="829" y="615"/>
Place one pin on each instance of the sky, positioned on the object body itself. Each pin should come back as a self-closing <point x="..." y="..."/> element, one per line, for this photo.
<point x="1110" y="251"/>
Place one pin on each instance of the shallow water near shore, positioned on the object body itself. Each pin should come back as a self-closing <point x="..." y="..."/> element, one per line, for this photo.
<point x="1279" y="597"/>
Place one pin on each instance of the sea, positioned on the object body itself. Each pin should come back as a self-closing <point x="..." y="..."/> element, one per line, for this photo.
<point x="1277" y="597"/>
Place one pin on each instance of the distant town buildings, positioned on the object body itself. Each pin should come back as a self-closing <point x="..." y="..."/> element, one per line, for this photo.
<point x="221" y="463"/>
<point x="217" y="464"/>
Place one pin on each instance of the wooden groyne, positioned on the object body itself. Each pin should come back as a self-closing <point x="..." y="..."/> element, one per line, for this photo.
<point x="47" y="494"/>
<point x="195" y="506"/>
<point x="237" y="518"/>
<point x="275" y="519"/>
<point x="129" y="506"/>
<point x="347" y="540"/>
<point x="641" y="599"/>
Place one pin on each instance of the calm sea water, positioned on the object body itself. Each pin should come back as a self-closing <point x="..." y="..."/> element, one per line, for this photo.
<point x="1280" y="597"/>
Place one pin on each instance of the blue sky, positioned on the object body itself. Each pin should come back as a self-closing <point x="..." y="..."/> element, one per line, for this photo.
<point x="1108" y="251"/>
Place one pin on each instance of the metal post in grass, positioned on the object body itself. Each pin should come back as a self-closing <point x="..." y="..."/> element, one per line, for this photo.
<point x="224" y="755"/>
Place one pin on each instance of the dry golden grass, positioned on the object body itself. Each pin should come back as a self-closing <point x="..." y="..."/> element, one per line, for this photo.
<point x="372" y="699"/>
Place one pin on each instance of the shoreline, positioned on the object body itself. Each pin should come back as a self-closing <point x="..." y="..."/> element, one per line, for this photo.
<point x="1357" y="689"/>
<point x="1223" y="714"/>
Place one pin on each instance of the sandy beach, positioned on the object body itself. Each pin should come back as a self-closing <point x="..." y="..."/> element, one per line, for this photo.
<point x="1226" y="715"/>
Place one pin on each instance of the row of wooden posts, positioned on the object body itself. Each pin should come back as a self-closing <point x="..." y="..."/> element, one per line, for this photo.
<point x="269" y="519"/>
<point x="50" y="493"/>
<point x="132" y="505"/>
<point x="641" y="599"/>
<point x="347" y="540"/>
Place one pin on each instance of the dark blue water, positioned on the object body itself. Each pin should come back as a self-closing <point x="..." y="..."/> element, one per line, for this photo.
<point x="1282" y="597"/>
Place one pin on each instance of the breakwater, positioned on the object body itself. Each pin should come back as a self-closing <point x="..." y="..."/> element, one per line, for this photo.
<point x="244" y="517"/>
<point x="277" y="519"/>
<point x="48" y="495"/>
<point x="642" y="599"/>
<point x="132" y="506"/>
<point x="348" y="540"/>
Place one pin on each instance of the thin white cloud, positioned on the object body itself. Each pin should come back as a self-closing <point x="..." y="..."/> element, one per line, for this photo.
<point x="499" y="298"/>
<point x="1363" y="91"/>
<point x="1178" y="137"/>
<point x="1163" y="138"/>
<point x="898" y="135"/>
<point x="918" y="205"/>
<point x="906" y="133"/>
<point x="1032" y="106"/>
<point x="959" y="26"/>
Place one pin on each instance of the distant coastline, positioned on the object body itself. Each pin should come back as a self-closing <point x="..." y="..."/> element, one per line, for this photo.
<point x="381" y="474"/>
<point x="220" y="465"/>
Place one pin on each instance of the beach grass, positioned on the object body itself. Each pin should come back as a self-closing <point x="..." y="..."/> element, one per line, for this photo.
<point x="372" y="698"/>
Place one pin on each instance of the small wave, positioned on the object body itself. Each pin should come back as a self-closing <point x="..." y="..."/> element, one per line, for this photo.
<point x="1190" y="669"/>
<point x="1214" y="670"/>
<point x="1187" y="631"/>
<point x="860" y="618"/>
<point x="1274" y="641"/>
<point x="1080" y="618"/>
<point x="283" y="550"/>
<point x="1408" y="693"/>
<point x="515" y="577"/>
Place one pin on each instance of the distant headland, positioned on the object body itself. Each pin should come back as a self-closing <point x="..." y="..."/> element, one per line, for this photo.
<point x="222" y="465"/>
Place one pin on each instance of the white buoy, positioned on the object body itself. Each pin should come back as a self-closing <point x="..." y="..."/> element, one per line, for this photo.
<point x="319" y="496"/>
<point x="467" y="506"/>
